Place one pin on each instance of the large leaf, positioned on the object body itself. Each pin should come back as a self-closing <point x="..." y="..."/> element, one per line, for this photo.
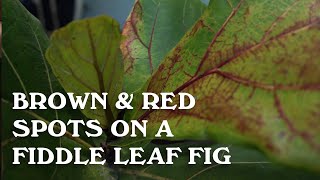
<point x="253" y="67"/>
<point x="152" y="29"/>
<point x="247" y="163"/>
<point x="84" y="56"/>
<point x="24" y="69"/>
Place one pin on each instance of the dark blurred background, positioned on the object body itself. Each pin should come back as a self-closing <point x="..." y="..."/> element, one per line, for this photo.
<point x="56" y="13"/>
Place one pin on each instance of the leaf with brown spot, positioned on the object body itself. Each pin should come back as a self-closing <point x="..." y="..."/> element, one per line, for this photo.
<point x="253" y="68"/>
<point x="152" y="29"/>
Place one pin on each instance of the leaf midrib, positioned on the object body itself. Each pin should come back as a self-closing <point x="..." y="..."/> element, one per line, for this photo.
<point x="108" y="113"/>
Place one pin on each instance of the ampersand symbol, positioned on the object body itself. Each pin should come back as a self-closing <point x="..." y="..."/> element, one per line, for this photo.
<point x="122" y="102"/>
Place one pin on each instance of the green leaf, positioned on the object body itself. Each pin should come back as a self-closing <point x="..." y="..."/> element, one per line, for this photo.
<point x="152" y="29"/>
<point x="24" y="69"/>
<point x="247" y="163"/>
<point x="253" y="67"/>
<point x="85" y="57"/>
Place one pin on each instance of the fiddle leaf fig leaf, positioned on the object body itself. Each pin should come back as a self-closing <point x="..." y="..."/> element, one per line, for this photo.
<point x="246" y="163"/>
<point x="152" y="29"/>
<point x="253" y="68"/>
<point x="24" y="69"/>
<point x="85" y="57"/>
